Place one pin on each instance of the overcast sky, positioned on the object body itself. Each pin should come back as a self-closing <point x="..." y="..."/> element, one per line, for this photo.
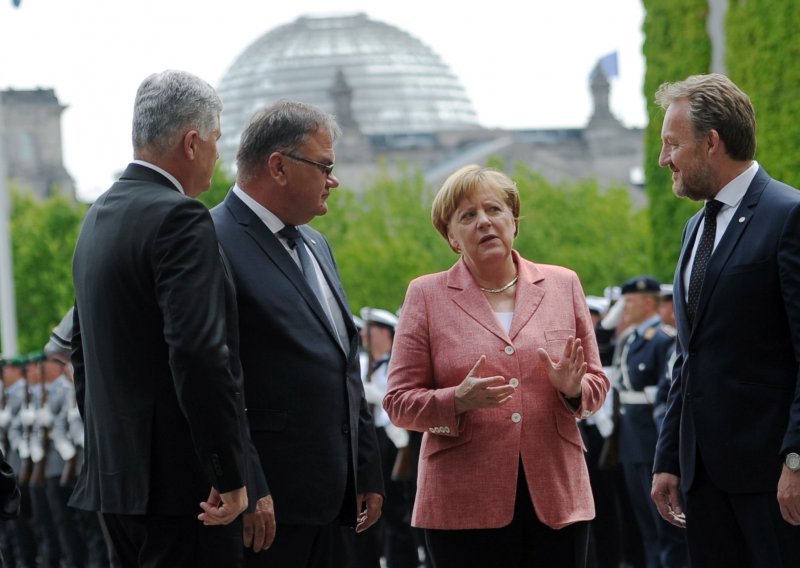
<point x="523" y="63"/>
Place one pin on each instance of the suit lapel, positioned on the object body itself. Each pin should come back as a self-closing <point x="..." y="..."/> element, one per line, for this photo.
<point x="469" y="298"/>
<point x="472" y="301"/>
<point x="731" y="237"/>
<point x="277" y="253"/>
<point x="529" y="295"/>
<point x="679" y="295"/>
<point x="322" y="254"/>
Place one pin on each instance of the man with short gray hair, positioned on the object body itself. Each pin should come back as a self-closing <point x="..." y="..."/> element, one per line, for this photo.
<point x="163" y="413"/>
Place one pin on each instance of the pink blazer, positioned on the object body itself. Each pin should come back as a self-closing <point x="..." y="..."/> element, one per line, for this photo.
<point x="469" y="464"/>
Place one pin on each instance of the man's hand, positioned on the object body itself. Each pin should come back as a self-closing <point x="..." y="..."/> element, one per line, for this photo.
<point x="259" y="527"/>
<point x="667" y="497"/>
<point x="789" y="496"/>
<point x="223" y="508"/>
<point x="370" y="514"/>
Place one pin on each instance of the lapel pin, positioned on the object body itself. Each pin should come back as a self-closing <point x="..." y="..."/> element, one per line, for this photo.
<point x="741" y="219"/>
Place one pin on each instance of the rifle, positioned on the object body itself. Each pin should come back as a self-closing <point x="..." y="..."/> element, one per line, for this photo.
<point x="24" y="443"/>
<point x="5" y="412"/>
<point x="70" y="471"/>
<point x="38" y="473"/>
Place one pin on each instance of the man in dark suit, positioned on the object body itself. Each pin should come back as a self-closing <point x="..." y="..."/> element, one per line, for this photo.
<point x="731" y="434"/>
<point x="164" y="416"/>
<point x="308" y="416"/>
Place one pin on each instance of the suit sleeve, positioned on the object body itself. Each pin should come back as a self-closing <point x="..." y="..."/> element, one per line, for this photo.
<point x="789" y="273"/>
<point x="78" y="369"/>
<point x="190" y="291"/>
<point x="667" y="458"/>
<point x="413" y="400"/>
<point x="595" y="384"/>
<point x="10" y="496"/>
<point x="369" y="474"/>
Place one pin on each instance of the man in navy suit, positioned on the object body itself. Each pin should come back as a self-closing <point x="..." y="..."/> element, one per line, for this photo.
<point x="730" y="439"/>
<point x="306" y="408"/>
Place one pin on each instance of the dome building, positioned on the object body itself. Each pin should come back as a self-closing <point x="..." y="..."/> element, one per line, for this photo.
<point x="402" y="109"/>
<point x="394" y="85"/>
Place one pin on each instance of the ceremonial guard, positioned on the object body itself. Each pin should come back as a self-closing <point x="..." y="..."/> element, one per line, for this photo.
<point x="23" y="550"/>
<point x="393" y="538"/>
<point x="643" y="361"/>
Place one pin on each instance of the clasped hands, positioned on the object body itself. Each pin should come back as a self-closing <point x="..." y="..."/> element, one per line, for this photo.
<point x="258" y="527"/>
<point x="482" y="392"/>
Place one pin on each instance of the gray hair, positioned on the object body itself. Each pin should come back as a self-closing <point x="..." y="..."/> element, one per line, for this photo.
<point x="170" y="103"/>
<point x="284" y="125"/>
<point x="715" y="102"/>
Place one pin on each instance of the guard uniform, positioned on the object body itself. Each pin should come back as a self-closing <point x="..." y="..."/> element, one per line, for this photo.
<point x="643" y="363"/>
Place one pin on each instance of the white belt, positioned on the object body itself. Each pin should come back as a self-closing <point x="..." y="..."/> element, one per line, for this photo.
<point x="634" y="397"/>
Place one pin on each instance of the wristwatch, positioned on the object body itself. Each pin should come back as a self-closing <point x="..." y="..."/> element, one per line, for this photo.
<point x="792" y="461"/>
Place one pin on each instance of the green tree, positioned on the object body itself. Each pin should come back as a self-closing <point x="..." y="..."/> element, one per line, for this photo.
<point x="598" y="234"/>
<point x="676" y="45"/>
<point x="762" y="50"/>
<point x="384" y="238"/>
<point x="43" y="235"/>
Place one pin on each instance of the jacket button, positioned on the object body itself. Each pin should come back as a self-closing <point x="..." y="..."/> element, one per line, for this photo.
<point x="345" y="428"/>
<point x="516" y="417"/>
<point x="514" y="383"/>
<point x="509" y="350"/>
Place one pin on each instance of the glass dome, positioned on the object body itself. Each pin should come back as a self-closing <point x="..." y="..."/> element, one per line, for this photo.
<point x="398" y="84"/>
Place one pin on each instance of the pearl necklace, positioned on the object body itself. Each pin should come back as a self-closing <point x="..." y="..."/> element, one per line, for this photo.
<point x="502" y="288"/>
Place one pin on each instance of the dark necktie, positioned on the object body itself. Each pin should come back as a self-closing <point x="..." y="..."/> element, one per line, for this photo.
<point x="704" y="250"/>
<point x="295" y="239"/>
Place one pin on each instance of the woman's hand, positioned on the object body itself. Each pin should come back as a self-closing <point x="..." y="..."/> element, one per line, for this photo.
<point x="567" y="374"/>
<point x="477" y="392"/>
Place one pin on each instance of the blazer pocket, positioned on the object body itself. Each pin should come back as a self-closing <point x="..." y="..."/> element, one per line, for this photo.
<point x="434" y="444"/>
<point x="568" y="429"/>
<point x="556" y="339"/>
<point x="266" y="420"/>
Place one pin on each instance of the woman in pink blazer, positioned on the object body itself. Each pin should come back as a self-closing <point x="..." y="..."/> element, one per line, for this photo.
<point x="494" y="360"/>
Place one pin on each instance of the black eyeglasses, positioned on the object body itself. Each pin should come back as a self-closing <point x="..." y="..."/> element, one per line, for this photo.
<point x="326" y="169"/>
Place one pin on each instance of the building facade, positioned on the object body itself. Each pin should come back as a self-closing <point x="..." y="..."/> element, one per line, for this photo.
<point x="30" y="123"/>
<point x="403" y="110"/>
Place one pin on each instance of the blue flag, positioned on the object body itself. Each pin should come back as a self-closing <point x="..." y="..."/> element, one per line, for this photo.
<point x="608" y="63"/>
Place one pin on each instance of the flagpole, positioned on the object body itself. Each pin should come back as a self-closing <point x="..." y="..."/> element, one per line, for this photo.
<point x="8" y="312"/>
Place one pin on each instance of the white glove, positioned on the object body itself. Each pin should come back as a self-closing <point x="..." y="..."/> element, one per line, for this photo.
<point x="27" y="415"/>
<point x="44" y="418"/>
<point x="398" y="436"/>
<point x="5" y="418"/>
<point x="604" y="424"/>
<point x="373" y="394"/>
<point x="73" y="414"/>
<point x="37" y="452"/>
<point x="64" y="449"/>
<point x="23" y="449"/>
